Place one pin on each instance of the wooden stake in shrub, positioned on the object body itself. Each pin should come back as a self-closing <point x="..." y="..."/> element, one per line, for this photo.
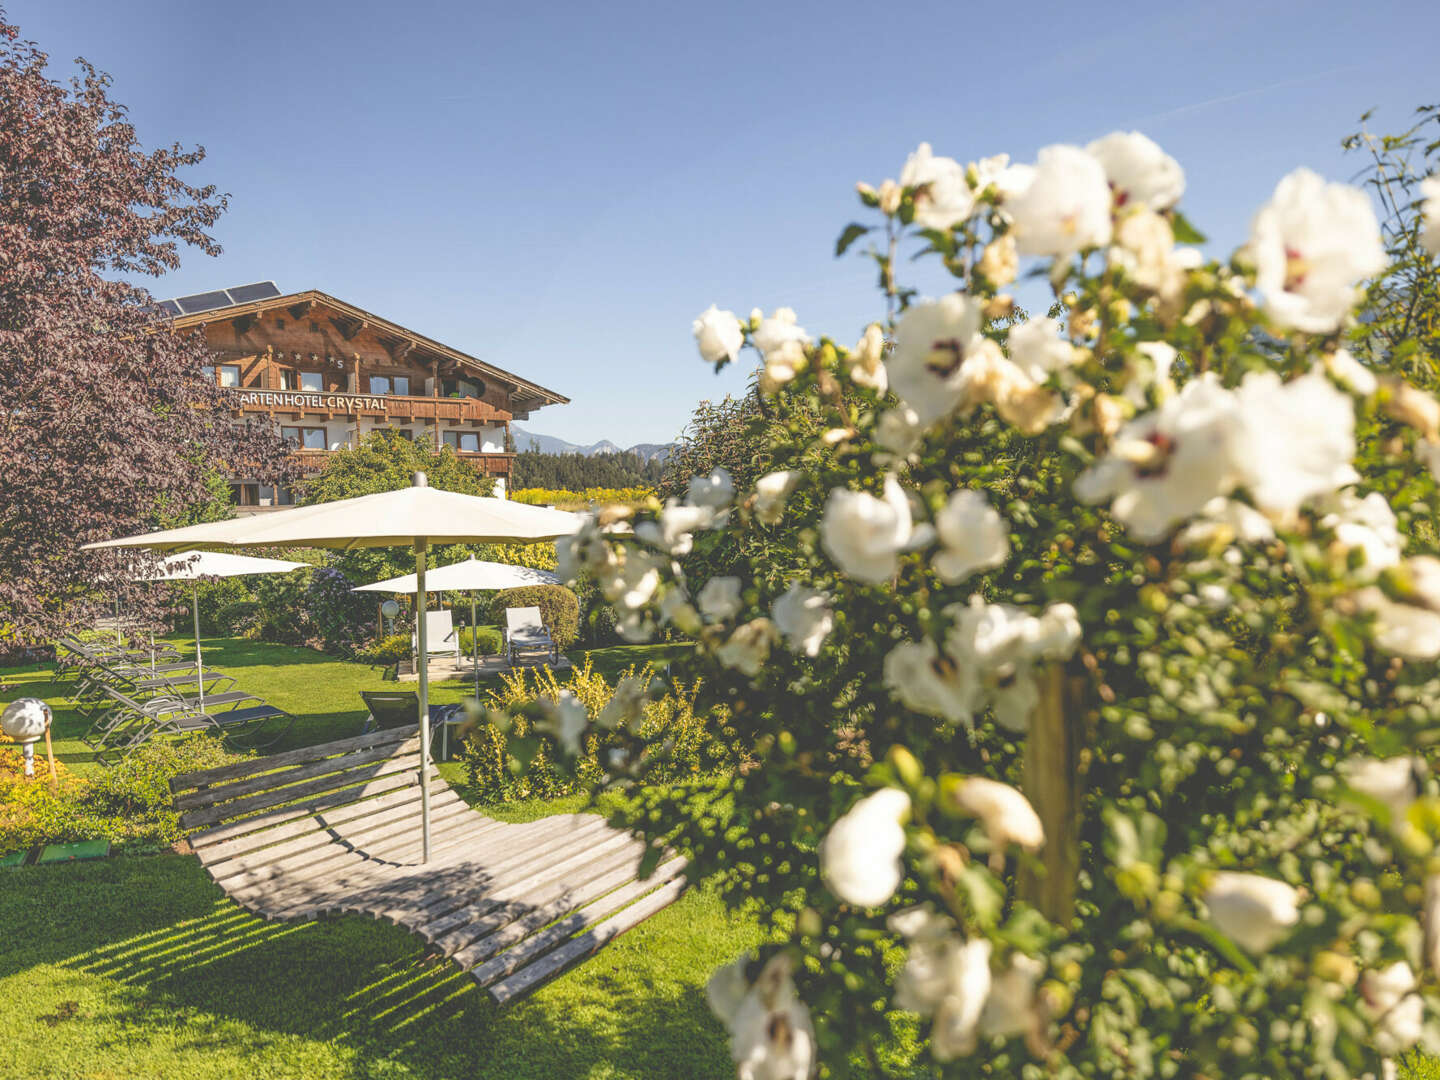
<point x="1052" y="784"/>
<point x="50" y="753"/>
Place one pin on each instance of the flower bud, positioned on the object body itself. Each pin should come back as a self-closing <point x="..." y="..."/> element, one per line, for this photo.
<point x="868" y="195"/>
<point x="889" y="197"/>
<point x="999" y="307"/>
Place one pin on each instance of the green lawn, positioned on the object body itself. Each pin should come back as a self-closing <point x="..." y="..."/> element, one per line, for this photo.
<point x="137" y="967"/>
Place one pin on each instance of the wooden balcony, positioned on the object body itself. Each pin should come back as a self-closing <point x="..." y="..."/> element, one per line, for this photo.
<point x="489" y="462"/>
<point x="302" y="404"/>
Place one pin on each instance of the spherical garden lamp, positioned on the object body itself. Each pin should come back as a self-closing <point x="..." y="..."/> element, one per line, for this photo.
<point x="390" y="609"/>
<point x="27" y="721"/>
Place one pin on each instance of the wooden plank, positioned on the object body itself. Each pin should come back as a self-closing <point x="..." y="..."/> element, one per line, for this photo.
<point x="552" y="961"/>
<point x="275" y="780"/>
<point x="305" y="754"/>
<point x="354" y="832"/>
<point x="212" y="815"/>
<point x="308" y="823"/>
<point x="259" y="822"/>
<point x="371" y="843"/>
<point x="500" y="883"/>
<point x="517" y="919"/>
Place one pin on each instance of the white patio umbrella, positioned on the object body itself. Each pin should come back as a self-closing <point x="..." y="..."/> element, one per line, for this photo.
<point x="192" y="566"/>
<point x="418" y="515"/>
<point x="472" y="575"/>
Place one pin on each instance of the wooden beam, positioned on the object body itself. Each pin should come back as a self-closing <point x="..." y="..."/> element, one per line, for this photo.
<point x="243" y="323"/>
<point x="349" y="327"/>
<point x="300" y="310"/>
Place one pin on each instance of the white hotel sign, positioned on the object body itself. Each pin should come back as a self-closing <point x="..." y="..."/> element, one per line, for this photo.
<point x="301" y="399"/>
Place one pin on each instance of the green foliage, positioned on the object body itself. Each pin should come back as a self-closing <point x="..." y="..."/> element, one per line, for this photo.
<point x="695" y="744"/>
<point x="559" y="609"/>
<point x="236" y="619"/>
<point x="575" y="472"/>
<point x="732" y="434"/>
<point x="386" y="462"/>
<point x="490" y="642"/>
<point x="387" y="650"/>
<point x="129" y="804"/>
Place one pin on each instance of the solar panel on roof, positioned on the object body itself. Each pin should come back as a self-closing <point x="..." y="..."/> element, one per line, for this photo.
<point x="260" y="290"/>
<point x="205" y="301"/>
<point x="170" y="307"/>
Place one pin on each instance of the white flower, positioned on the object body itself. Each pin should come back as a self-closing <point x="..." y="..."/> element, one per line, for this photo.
<point x="899" y="430"/>
<point x="1430" y="214"/>
<point x="973" y="536"/>
<point x="771" y="491"/>
<point x="942" y="196"/>
<point x="1390" y="1002"/>
<point x="1350" y="373"/>
<point x="672" y="532"/>
<point x="1256" y="911"/>
<point x="771" y="1033"/>
<point x="626" y="703"/>
<point x="748" y="647"/>
<point x="1223" y="520"/>
<point x="1148" y="369"/>
<point x="778" y="330"/>
<point x="931" y="683"/>
<point x="860" y="855"/>
<point x="957" y="1016"/>
<point x="1138" y="170"/>
<point x="1010" y="1009"/>
<point x="635" y="583"/>
<point x="803" y="616"/>
<point x="1297" y="440"/>
<point x="1000" y="261"/>
<point x="676" y="609"/>
<point x="1367" y="525"/>
<point x="926" y="367"/>
<point x="719" y="335"/>
<point x="1311" y="243"/>
<point x="925" y="978"/>
<point x="867" y="360"/>
<point x="1406" y="630"/>
<point x="1065" y="208"/>
<point x="1038" y="350"/>
<point x="720" y="598"/>
<point x="1014" y="699"/>
<point x="1007" y="816"/>
<point x="566" y="719"/>
<point x="863" y="534"/>
<point x="636" y="627"/>
<point x="989" y="376"/>
<point x="1055" y="634"/>
<point x="1167" y="465"/>
<point x="1145" y="249"/>
<point x="1393" y="783"/>
<point x="714" y="491"/>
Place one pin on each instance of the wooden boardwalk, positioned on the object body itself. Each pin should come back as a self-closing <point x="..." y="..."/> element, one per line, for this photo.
<point x="334" y="829"/>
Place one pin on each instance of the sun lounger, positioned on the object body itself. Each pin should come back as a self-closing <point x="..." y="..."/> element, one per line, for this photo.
<point x="135" y="722"/>
<point x="440" y="636"/>
<point x="525" y="635"/>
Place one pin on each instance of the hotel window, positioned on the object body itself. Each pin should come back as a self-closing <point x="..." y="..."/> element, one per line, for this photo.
<point x="462" y="440"/>
<point x="229" y="374"/>
<point x="305" y="438"/>
<point x="312" y="380"/>
<point x="390" y="384"/>
<point x="284" y="497"/>
<point x="461" y="388"/>
<point x="245" y="494"/>
<point x="289" y="380"/>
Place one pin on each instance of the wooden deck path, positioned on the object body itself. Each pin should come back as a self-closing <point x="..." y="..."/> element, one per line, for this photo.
<point x="335" y="829"/>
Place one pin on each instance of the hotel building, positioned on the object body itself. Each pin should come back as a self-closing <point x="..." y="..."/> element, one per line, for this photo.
<point x="329" y="373"/>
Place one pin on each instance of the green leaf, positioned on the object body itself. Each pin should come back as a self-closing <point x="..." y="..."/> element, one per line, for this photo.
<point x="852" y="232"/>
<point x="1185" y="233"/>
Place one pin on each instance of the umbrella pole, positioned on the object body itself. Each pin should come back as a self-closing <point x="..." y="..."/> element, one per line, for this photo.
<point x="423" y="663"/>
<point x="199" y="660"/>
<point x="475" y="645"/>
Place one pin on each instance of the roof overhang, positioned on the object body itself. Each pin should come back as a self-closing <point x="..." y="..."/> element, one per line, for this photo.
<point x="525" y="395"/>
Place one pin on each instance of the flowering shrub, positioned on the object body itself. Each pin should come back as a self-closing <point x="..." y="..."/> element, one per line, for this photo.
<point x="516" y="752"/>
<point x="572" y="500"/>
<point x="387" y="650"/>
<point x="1085" y="657"/>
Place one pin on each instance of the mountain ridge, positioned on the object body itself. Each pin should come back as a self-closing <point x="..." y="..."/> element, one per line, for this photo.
<point x="551" y="444"/>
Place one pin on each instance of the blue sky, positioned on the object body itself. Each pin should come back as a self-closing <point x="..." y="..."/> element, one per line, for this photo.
<point x="560" y="188"/>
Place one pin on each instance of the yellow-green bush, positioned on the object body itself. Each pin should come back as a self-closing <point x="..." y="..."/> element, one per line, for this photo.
<point x="698" y="742"/>
<point x="578" y="500"/>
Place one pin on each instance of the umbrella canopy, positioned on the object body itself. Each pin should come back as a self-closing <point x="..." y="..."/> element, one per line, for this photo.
<point x="195" y="565"/>
<point x="472" y="575"/>
<point x="386" y="519"/>
<point x="192" y="566"/>
<point x="417" y="515"/>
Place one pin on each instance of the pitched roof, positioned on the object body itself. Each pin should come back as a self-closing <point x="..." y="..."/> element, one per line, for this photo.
<point x="525" y="395"/>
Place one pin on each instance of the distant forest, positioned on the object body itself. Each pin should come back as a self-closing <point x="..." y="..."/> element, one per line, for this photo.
<point x="576" y="472"/>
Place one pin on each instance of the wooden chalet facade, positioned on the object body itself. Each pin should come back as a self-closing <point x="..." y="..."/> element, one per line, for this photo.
<point x="330" y="373"/>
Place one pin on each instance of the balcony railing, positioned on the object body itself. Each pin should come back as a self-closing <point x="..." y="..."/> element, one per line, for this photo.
<point x="402" y="407"/>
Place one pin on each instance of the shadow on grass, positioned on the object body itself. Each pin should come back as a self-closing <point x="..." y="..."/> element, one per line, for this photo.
<point x="183" y="967"/>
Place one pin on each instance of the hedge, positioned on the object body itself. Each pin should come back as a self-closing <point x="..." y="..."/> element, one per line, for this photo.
<point x="559" y="609"/>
